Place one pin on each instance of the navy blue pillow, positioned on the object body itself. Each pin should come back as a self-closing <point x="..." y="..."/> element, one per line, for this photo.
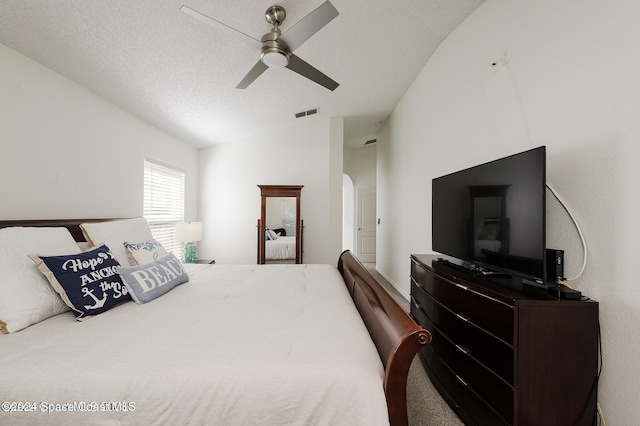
<point x="87" y="282"/>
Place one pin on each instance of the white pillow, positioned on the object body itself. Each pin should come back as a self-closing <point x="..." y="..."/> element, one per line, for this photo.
<point x="115" y="233"/>
<point x="146" y="252"/>
<point x="25" y="294"/>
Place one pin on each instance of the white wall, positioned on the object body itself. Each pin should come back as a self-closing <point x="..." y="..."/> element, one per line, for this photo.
<point x="309" y="154"/>
<point x="569" y="81"/>
<point x="68" y="153"/>
<point x="360" y="165"/>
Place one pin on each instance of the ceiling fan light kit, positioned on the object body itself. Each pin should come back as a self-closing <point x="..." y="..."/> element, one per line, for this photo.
<point x="274" y="57"/>
<point x="276" y="48"/>
<point x="274" y="53"/>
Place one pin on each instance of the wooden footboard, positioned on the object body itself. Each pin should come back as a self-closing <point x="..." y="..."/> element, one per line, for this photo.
<point x="395" y="334"/>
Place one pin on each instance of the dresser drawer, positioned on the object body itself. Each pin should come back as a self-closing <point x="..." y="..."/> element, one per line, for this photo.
<point x="418" y="272"/>
<point x="465" y="397"/>
<point x="422" y="298"/>
<point x="476" y="343"/>
<point x="420" y="316"/>
<point x="482" y="381"/>
<point x="474" y="307"/>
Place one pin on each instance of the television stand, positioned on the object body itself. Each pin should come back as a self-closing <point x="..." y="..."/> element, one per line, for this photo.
<point x="474" y="269"/>
<point x="534" y="283"/>
<point x="479" y="271"/>
<point x="450" y="264"/>
<point x="505" y="353"/>
<point x="564" y="292"/>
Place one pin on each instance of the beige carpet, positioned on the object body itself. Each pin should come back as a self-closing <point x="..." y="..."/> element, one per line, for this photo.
<point x="424" y="404"/>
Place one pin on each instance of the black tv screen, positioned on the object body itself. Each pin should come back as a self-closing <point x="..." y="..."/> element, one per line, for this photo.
<point x="493" y="215"/>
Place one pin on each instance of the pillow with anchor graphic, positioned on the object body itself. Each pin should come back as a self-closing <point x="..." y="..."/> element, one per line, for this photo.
<point x="87" y="282"/>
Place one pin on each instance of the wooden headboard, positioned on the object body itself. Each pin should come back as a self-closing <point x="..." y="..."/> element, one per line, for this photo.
<point x="396" y="335"/>
<point x="73" y="225"/>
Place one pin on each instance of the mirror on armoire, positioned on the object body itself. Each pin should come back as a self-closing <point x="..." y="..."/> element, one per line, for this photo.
<point x="280" y="226"/>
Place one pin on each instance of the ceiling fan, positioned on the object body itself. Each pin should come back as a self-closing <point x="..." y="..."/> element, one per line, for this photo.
<point x="276" y="48"/>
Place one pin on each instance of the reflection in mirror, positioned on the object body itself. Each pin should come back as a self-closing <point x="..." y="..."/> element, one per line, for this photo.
<point x="489" y="224"/>
<point x="280" y="243"/>
<point x="281" y="214"/>
<point x="280" y="226"/>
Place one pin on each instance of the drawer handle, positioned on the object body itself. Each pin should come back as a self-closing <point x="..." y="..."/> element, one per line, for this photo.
<point x="477" y="293"/>
<point x="464" y="349"/>
<point x="419" y="285"/>
<point x="415" y="303"/>
<point x="464" y="317"/>
<point x="461" y="380"/>
<point x="464" y="287"/>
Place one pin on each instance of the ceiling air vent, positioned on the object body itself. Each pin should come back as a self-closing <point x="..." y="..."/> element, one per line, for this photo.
<point x="369" y="142"/>
<point x="305" y="113"/>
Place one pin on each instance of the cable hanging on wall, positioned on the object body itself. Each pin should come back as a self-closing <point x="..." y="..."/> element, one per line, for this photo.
<point x="521" y="131"/>
<point x="575" y="223"/>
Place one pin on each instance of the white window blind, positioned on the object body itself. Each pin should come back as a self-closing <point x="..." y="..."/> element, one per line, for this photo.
<point x="164" y="203"/>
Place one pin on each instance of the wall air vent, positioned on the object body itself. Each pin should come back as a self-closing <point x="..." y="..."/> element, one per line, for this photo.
<point x="305" y="113"/>
<point x="369" y="142"/>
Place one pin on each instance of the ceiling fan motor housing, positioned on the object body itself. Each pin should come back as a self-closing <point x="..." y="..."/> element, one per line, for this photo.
<point x="274" y="52"/>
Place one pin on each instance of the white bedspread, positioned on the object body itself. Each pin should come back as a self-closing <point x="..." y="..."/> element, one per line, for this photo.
<point x="237" y="345"/>
<point x="281" y="248"/>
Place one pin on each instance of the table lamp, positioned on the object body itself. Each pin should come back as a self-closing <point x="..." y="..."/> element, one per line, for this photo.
<point x="188" y="233"/>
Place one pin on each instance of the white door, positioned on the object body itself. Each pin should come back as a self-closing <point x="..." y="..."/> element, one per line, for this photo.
<point x="366" y="225"/>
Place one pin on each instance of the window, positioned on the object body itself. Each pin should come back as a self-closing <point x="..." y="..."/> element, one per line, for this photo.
<point x="164" y="203"/>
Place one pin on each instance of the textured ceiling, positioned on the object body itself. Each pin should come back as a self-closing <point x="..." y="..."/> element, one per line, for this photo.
<point x="180" y="74"/>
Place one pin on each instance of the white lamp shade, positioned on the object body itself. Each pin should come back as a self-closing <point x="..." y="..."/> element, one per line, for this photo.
<point x="187" y="232"/>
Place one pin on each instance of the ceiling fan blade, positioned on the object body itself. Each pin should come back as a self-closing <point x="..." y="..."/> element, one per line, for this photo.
<point x="309" y="25"/>
<point x="304" y="69"/>
<point x="254" y="73"/>
<point x="221" y="27"/>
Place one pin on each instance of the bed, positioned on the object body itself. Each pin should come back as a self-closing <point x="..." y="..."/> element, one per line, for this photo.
<point x="281" y="248"/>
<point x="235" y="344"/>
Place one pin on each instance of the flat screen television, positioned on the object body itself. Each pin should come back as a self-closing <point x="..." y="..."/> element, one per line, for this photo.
<point x="492" y="216"/>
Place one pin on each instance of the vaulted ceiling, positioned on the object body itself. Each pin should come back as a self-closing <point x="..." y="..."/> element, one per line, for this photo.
<point x="180" y="74"/>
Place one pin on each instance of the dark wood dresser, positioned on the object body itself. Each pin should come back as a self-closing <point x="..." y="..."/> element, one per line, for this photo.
<point x="503" y="353"/>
